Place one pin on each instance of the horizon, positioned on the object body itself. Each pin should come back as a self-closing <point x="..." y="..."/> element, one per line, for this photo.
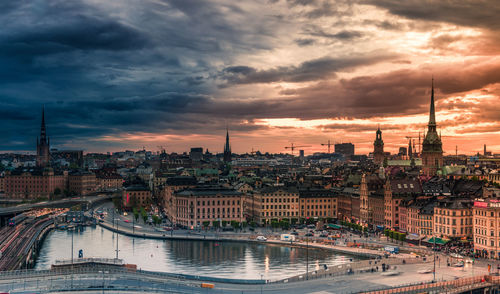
<point x="123" y="75"/>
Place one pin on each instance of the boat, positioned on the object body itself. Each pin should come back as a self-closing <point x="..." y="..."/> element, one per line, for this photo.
<point x="459" y="264"/>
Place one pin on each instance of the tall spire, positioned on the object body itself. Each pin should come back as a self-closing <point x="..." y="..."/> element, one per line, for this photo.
<point x="42" y="128"/>
<point x="432" y="114"/>
<point x="227" y="147"/>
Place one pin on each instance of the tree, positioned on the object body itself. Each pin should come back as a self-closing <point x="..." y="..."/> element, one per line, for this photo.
<point x="244" y="224"/>
<point x="402" y="237"/>
<point x="136" y="213"/>
<point x="253" y="224"/>
<point x="293" y="221"/>
<point x="206" y="224"/>
<point x="144" y="214"/>
<point x="235" y="224"/>
<point x="215" y="223"/>
<point x="224" y="223"/>
<point x="57" y="191"/>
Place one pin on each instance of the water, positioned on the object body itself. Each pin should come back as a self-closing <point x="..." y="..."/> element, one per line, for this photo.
<point x="217" y="259"/>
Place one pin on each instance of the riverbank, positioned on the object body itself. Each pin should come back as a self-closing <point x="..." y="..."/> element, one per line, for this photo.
<point x="355" y="251"/>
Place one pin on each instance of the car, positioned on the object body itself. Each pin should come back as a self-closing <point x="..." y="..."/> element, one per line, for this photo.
<point x="261" y="238"/>
<point x="127" y="221"/>
<point x="309" y="234"/>
<point x="294" y="233"/>
<point x="323" y="235"/>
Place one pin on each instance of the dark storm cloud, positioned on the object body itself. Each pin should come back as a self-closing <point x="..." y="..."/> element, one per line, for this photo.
<point x="470" y="13"/>
<point x="313" y="30"/>
<point x="311" y="70"/>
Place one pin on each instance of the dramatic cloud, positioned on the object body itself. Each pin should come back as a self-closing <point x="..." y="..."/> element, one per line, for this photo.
<point x="126" y="74"/>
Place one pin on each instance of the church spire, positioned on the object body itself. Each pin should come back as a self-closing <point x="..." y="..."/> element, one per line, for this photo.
<point x="432" y="113"/>
<point x="42" y="127"/>
<point x="227" y="148"/>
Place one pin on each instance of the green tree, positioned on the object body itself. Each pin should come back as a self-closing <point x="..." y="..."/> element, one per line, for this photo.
<point x="144" y="214"/>
<point x="253" y="224"/>
<point x="57" y="191"/>
<point x="224" y="223"/>
<point x="206" y="224"/>
<point x="244" y="224"/>
<point x="293" y="221"/>
<point x="402" y="237"/>
<point x="235" y="224"/>
<point x="215" y="223"/>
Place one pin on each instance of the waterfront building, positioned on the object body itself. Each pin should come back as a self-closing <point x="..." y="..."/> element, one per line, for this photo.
<point x="43" y="145"/>
<point x="453" y="218"/>
<point x="378" y="148"/>
<point x="207" y="206"/>
<point x="318" y="203"/>
<point x="371" y="197"/>
<point x="136" y="196"/>
<point x="432" y="147"/>
<point x="349" y="205"/>
<point x="277" y="202"/>
<point x="486" y="220"/>
<point x="172" y="185"/>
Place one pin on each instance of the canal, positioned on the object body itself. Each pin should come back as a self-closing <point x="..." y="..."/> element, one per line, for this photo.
<point x="205" y="258"/>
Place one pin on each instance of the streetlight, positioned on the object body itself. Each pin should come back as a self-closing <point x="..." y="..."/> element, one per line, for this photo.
<point x="307" y="258"/>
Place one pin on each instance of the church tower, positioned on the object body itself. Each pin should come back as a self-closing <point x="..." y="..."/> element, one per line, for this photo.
<point x="43" y="145"/>
<point x="227" y="148"/>
<point x="378" y="148"/>
<point x="432" y="147"/>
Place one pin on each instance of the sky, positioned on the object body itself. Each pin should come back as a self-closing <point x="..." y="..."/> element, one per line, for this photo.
<point x="123" y="74"/>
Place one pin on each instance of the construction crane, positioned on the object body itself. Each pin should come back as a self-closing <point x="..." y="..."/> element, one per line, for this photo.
<point x="327" y="144"/>
<point x="293" y="147"/>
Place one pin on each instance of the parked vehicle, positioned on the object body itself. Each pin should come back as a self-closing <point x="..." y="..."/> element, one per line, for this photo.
<point x="295" y="233"/>
<point x="392" y="249"/>
<point x="261" y="238"/>
<point x="287" y="237"/>
<point x="309" y="234"/>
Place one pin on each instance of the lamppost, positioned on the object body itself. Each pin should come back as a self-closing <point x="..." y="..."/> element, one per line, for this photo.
<point x="307" y="258"/>
<point x="434" y="249"/>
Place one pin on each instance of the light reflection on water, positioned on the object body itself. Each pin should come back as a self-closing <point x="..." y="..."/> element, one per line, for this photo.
<point x="216" y="259"/>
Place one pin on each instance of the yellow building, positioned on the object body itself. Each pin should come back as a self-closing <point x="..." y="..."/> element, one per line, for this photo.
<point x="486" y="227"/>
<point x="453" y="219"/>
<point x="318" y="203"/>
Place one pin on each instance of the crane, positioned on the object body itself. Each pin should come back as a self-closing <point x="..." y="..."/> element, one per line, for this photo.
<point x="293" y="147"/>
<point x="327" y="144"/>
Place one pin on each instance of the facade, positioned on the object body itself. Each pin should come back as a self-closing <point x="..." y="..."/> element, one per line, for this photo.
<point x="378" y="148"/>
<point x="364" y="210"/>
<point x="108" y="182"/>
<point x="432" y="147"/>
<point x="202" y="205"/>
<point x="395" y="190"/>
<point x="82" y="183"/>
<point x="453" y="219"/>
<point x="171" y="186"/>
<point x="278" y="202"/>
<point x="34" y="184"/>
<point x="486" y="219"/>
<point x="420" y="218"/>
<point x="43" y="146"/>
<point x="136" y="196"/>
<point x="318" y="203"/>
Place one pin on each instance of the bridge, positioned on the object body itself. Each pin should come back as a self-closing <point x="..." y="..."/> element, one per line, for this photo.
<point x="88" y="201"/>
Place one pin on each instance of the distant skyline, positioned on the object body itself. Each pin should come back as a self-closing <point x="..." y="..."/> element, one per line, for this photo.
<point x="116" y="75"/>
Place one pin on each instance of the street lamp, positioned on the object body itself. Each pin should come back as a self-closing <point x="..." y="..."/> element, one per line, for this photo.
<point x="307" y="258"/>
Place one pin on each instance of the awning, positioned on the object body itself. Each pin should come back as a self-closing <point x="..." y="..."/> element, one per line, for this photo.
<point x="413" y="236"/>
<point x="334" y="226"/>
<point x="438" y="241"/>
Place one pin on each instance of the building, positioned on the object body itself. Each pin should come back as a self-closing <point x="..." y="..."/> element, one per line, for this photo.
<point x="37" y="183"/>
<point x="196" y="154"/>
<point x="81" y="183"/>
<point x="432" y="147"/>
<point x="227" y="148"/>
<point x="318" y="203"/>
<point x="206" y="206"/>
<point x="378" y="148"/>
<point x="348" y="205"/>
<point x="108" y="181"/>
<point x="43" y="146"/>
<point x="453" y="219"/>
<point x="486" y="220"/>
<point x="136" y="196"/>
<point x="395" y="191"/>
<point x="420" y="218"/>
<point x="346" y="149"/>
<point x="172" y="185"/>
<point x="277" y="202"/>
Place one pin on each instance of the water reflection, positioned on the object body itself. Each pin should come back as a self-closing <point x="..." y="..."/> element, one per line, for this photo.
<point x="218" y="259"/>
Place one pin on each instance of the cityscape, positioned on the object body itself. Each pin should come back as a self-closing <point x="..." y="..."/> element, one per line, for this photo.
<point x="273" y="146"/>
